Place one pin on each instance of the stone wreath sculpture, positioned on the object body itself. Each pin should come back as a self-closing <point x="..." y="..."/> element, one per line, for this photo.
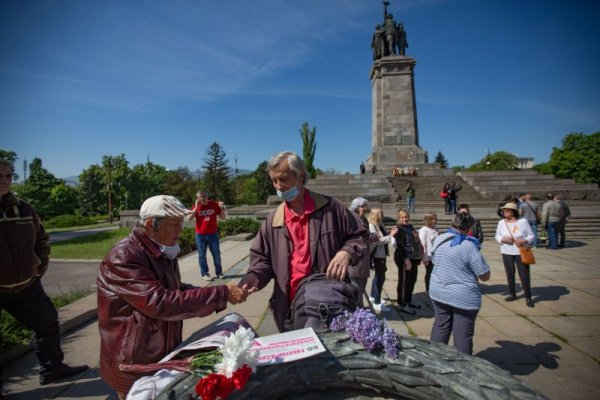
<point x="346" y="370"/>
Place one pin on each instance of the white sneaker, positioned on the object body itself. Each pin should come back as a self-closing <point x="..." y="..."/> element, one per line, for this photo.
<point x="381" y="307"/>
<point x="371" y="299"/>
<point x="207" y="277"/>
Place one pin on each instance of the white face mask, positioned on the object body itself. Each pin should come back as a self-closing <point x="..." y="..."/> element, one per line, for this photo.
<point x="170" y="252"/>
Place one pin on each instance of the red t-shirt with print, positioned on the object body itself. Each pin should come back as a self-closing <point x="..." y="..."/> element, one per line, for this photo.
<point x="206" y="217"/>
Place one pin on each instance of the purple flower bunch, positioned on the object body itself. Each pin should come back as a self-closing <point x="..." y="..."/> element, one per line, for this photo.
<point x="364" y="327"/>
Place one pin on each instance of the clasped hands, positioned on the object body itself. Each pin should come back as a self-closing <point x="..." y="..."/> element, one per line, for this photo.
<point x="337" y="268"/>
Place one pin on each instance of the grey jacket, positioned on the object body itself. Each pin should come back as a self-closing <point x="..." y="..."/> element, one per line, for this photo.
<point x="551" y="212"/>
<point x="332" y="227"/>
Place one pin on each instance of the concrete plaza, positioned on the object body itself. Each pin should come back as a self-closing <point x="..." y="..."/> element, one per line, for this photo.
<point x="555" y="346"/>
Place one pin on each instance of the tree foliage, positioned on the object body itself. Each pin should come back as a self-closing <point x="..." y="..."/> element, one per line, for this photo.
<point x="264" y="186"/>
<point x="145" y="180"/>
<point x="182" y="184"/>
<point x="440" y="159"/>
<point x="309" y="147"/>
<point x="37" y="188"/>
<point x="578" y="158"/>
<point x="215" y="178"/>
<point x="497" y="161"/>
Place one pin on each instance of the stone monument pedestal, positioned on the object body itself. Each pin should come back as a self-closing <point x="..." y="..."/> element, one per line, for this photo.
<point x="395" y="135"/>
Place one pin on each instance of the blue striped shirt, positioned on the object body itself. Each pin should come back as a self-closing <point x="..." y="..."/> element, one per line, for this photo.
<point x="454" y="280"/>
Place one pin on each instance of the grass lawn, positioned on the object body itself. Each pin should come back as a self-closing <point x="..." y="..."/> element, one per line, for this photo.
<point x="89" y="247"/>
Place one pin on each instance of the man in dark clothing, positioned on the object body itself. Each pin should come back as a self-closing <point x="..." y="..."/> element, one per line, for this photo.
<point x="564" y="218"/>
<point x="475" y="230"/>
<point x="453" y="196"/>
<point x="24" y="252"/>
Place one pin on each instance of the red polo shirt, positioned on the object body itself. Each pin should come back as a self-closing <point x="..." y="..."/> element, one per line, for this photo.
<point x="297" y="225"/>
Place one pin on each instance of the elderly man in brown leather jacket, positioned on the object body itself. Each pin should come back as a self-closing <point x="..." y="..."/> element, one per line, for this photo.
<point x="141" y="300"/>
<point x="24" y="252"/>
<point x="308" y="231"/>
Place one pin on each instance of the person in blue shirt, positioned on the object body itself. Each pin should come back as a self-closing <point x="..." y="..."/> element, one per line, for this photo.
<point x="454" y="287"/>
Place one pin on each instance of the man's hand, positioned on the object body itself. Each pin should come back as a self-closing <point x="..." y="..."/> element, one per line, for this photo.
<point x="249" y="283"/>
<point x="339" y="265"/>
<point x="407" y="264"/>
<point x="236" y="294"/>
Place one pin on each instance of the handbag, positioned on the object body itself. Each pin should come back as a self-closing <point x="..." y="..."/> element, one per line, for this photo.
<point x="526" y="253"/>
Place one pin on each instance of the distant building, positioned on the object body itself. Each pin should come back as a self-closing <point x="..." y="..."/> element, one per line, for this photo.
<point x="525" y="162"/>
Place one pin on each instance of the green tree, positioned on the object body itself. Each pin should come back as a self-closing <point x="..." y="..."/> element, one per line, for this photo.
<point x="63" y="200"/>
<point x="92" y="191"/>
<point x="309" y="147"/>
<point x="145" y="180"/>
<point x="498" y="161"/>
<point x="264" y="186"/>
<point x="38" y="188"/>
<point x="215" y="178"/>
<point x="440" y="159"/>
<point x="12" y="157"/>
<point x="182" y="184"/>
<point x="117" y="178"/>
<point x="578" y="158"/>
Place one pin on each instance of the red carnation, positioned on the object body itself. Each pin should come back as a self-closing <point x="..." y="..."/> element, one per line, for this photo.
<point x="214" y="386"/>
<point x="241" y="376"/>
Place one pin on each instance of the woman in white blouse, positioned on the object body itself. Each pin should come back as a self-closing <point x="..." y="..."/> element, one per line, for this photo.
<point x="513" y="233"/>
<point x="379" y="254"/>
<point x="427" y="234"/>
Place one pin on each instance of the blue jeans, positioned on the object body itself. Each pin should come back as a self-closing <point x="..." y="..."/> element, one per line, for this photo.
<point x="533" y="226"/>
<point x="551" y="228"/>
<point x="212" y="241"/>
<point x="452" y="206"/>
<point x="410" y="204"/>
<point x="377" y="283"/>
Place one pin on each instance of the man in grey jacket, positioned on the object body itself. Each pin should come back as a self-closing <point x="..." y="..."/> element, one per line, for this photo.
<point x="551" y="216"/>
<point x="308" y="232"/>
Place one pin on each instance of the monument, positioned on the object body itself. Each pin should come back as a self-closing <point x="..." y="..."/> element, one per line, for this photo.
<point x="395" y="134"/>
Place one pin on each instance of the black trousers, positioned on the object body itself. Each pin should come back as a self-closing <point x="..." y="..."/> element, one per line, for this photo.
<point x="33" y="308"/>
<point x="406" y="282"/>
<point x="510" y="262"/>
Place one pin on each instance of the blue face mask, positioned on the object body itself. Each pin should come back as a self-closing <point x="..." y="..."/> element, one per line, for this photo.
<point x="288" y="195"/>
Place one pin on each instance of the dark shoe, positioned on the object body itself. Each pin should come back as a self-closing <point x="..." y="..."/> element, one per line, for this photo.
<point x="60" y="371"/>
<point x="406" y="310"/>
<point x="510" y="297"/>
<point x="411" y="305"/>
<point x="529" y="303"/>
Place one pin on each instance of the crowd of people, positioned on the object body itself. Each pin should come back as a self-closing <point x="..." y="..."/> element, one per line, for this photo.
<point x="142" y="301"/>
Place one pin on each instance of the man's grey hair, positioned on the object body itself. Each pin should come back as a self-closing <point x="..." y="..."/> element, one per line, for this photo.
<point x="295" y="163"/>
<point x="7" y="163"/>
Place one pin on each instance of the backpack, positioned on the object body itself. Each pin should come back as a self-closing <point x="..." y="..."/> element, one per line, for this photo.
<point x="318" y="301"/>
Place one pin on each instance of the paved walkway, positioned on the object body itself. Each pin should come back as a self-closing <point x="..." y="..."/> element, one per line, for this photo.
<point x="554" y="347"/>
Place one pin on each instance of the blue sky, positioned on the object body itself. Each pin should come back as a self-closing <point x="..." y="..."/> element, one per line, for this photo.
<point x="81" y="79"/>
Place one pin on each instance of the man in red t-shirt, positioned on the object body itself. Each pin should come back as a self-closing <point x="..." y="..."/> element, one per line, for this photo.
<point x="206" y="212"/>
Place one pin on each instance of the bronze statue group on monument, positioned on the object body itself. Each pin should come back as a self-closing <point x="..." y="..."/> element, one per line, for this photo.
<point x="389" y="38"/>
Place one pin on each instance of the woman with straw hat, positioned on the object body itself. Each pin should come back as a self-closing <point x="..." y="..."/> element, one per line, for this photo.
<point x="513" y="233"/>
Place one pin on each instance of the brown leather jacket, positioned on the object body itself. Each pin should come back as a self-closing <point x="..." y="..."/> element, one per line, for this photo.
<point x="24" y="246"/>
<point x="141" y="305"/>
<point x="332" y="227"/>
